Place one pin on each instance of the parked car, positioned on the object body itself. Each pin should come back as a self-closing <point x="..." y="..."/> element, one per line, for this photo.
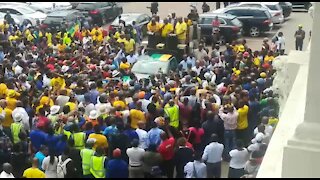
<point x="100" y="12"/>
<point x="230" y="27"/>
<point x="273" y="7"/>
<point x="286" y="8"/>
<point x="47" y="7"/>
<point x="141" y="20"/>
<point x="301" y="5"/>
<point x="54" y="20"/>
<point x="255" y="20"/>
<point x="23" y="13"/>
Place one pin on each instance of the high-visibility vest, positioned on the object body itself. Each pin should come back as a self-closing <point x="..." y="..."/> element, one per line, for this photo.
<point x="79" y="139"/>
<point x="15" y="130"/>
<point x="173" y="113"/>
<point x="97" y="166"/>
<point x="86" y="155"/>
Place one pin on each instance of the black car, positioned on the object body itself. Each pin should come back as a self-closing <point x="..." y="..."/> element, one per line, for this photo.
<point x="286" y="8"/>
<point x="56" y="19"/>
<point x="230" y="27"/>
<point x="303" y="5"/>
<point x="100" y="12"/>
<point x="256" y="21"/>
<point x="141" y="20"/>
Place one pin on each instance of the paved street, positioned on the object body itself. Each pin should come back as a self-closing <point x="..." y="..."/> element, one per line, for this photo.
<point x="183" y="8"/>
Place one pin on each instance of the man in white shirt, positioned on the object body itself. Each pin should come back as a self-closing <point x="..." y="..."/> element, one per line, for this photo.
<point x="7" y="171"/>
<point x="135" y="155"/>
<point x="268" y="128"/>
<point x="132" y="58"/>
<point x="143" y="135"/>
<point x="212" y="155"/>
<point x="196" y="169"/>
<point x="25" y="117"/>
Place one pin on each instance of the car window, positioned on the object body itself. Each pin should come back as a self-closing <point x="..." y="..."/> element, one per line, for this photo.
<point x="222" y="21"/>
<point x="207" y="20"/>
<point x="252" y="5"/>
<point x="84" y="6"/>
<point x="240" y="12"/>
<point x="274" y="7"/>
<point x="26" y="10"/>
<point x="51" y="19"/>
<point x="15" y="12"/>
<point x="71" y="16"/>
<point x="145" y="18"/>
<point x="236" y="22"/>
<point x="173" y="64"/>
<point x="104" y="4"/>
<point x="257" y="13"/>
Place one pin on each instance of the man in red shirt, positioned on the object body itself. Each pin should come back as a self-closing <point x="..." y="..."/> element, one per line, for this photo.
<point x="166" y="149"/>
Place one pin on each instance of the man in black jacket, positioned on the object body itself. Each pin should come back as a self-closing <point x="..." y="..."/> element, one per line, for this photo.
<point x="213" y="125"/>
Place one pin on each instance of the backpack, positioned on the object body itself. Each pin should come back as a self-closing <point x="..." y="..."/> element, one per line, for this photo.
<point x="62" y="167"/>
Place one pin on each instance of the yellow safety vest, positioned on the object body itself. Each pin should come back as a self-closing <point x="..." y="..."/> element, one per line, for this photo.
<point x="79" y="139"/>
<point x="86" y="155"/>
<point x="15" y="130"/>
<point x="173" y="113"/>
<point x="97" y="167"/>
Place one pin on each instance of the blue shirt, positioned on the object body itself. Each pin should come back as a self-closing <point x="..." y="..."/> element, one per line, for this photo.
<point x="88" y="132"/>
<point x="154" y="136"/>
<point x="108" y="131"/>
<point x="132" y="134"/>
<point x="93" y="96"/>
<point x="37" y="138"/>
<point x="1" y="56"/>
<point x="40" y="156"/>
<point x="61" y="146"/>
<point x="52" y="141"/>
<point x="117" y="168"/>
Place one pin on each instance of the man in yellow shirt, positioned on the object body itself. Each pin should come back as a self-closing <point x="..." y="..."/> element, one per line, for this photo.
<point x="129" y="44"/>
<point x="181" y="30"/>
<point x="153" y="26"/>
<point x="4" y="26"/>
<point x="49" y="36"/>
<point x="137" y="115"/>
<point x="124" y="65"/>
<point x="100" y="139"/>
<point x="167" y="29"/>
<point x="96" y="30"/>
<point x="243" y="122"/>
<point x="34" y="171"/>
<point x="61" y="46"/>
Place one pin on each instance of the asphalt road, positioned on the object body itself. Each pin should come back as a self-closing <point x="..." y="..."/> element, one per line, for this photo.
<point x="183" y="8"/>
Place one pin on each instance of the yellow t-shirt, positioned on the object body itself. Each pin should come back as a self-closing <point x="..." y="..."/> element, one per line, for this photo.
<point x="49" y="38"/>
<point x="166" y="29"/>
<point x="66" y="41"/>
<point x="2" y="26"/>
<point x="11" y="103"/>
<point x="45" y="100"/>
<point x="268" y="59"/>
<point x="119" y="103"/>
<point x="124" y="66"/>
<point x="180" y="27"/>
<point x="136" y="116"/>
<point x="58" y="83"/>
<point x="33" y="173"/>
<point x="153" y="28"/>
<point x="243" y="117"/>
<point x="30" y="37"/>
<point x="94" y="31"/>
<point x="13" y="37"/>
<point x="72" y="106"/>
<point x="61" y="47"/>
<point x="3" y="90"/>
<point x="8" y="120"/>
<point x="129" y="45"/>
<point x="101" y="140"/>
<point x="256" y="61"/>
<point x="120" y="40"/>
<point x="117" y="35"/>
<point x="273" y="122"/>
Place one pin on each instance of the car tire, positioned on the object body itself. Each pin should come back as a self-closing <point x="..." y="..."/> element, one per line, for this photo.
<point x="254" y="31"/>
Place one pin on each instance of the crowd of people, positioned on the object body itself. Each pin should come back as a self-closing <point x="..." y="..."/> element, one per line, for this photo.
<point x="65" y="110"/>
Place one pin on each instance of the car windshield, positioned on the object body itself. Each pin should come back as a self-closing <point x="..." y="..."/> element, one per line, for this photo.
<point x="236" y="22"/>
<point x="85" y="6"/>
<point x="273" y="7"/>
<point x="149" y="65"/>
<point x="52" y="19"/>
<point x="126" y="18"/>
<point x="25" y="10"/>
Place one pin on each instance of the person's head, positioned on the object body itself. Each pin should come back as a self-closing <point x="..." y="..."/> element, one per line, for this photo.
<point x="7" y="167"/>
<point x="182" y="141"/>
<point x="135" y="143"/>
<point x="198" y="156"/>
<point x="44" y="149"/>
<point x="99" y="151"/>
<point x="165" y="21"/>
<point x="261" y="128"/>
<point x="90" y="142"/>
<point x="239" y="144"/>
<point x="141" y="124"/>
<point x="97" y="129"/>
<point x="116" y="153"/>
<point x="265" y="120"/>
<point x="214" y="138"/>
<point x="300" y="26"/>
<point x="35" y="162"/>
<point x="280" y="34"/>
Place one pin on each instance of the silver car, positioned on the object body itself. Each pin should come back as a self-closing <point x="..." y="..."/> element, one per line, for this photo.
<point x="23" y="13"/>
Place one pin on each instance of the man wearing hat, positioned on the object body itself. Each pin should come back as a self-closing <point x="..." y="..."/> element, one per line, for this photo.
<point x="17" y="127"/>
<point x="299" y="35"/>
<point x="54" y="112"/>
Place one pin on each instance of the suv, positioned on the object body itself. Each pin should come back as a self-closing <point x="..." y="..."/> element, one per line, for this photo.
<point x="304" y="5"/>
<point x="230" y="27"/>
<point x="154" y="63"/>
<point x="273" y="7"/>
<point x="54" y="20"/>
<point x="100" y="12"/>
<point x="255" y="20"/>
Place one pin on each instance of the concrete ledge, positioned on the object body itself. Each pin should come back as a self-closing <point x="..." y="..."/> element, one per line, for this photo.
<point x="292" y="115"/>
